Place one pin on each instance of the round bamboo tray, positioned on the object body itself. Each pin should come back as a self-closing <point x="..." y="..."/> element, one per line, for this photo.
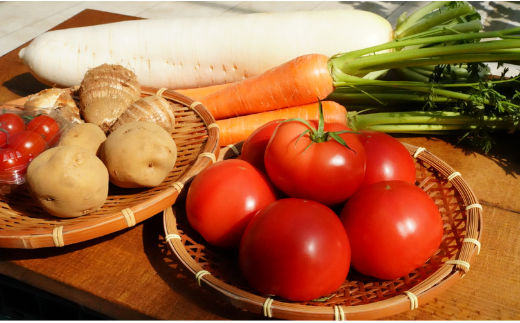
<point x="360" y="297"/>
<point x="25" y="225"/>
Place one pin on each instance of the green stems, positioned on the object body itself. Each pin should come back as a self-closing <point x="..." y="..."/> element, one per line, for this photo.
<point x="424" y="121"/>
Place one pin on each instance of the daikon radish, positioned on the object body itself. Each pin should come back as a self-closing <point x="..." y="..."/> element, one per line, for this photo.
<point x="195" y="52"/>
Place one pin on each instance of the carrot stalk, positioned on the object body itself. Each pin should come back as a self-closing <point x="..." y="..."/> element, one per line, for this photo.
<point x="237" y="129"/>
<point x="300" y="81"/>
<point x="198" y="93"/>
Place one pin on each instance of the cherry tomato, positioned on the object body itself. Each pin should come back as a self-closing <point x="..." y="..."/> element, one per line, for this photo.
<point x="11" y="160"/>
<point x="394" y="227"/>
<point x="387" y="158"/>
<point x="224" y="197"/>
<point x="296" y="249"/>
<point x="326" y="172"/>
<point x="10" y="123"/>
<point x="253" y="148"/>
<point x="47" y="127"/>
<point x="28" y="143"/>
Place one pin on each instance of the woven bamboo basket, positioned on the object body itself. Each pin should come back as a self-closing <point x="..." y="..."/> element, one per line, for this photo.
<point x="360" y="297"/>
<point x="25" y="225"/>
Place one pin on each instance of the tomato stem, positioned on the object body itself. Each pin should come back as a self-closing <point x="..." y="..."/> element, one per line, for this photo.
<point x="320" y="135"/>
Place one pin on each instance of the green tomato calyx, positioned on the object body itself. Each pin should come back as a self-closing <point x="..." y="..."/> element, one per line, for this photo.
<point x="320" y="135"/>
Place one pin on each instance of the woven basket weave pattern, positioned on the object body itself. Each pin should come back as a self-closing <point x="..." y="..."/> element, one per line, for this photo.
<point x="360" y="297"/>
<point x="25" y="225"/>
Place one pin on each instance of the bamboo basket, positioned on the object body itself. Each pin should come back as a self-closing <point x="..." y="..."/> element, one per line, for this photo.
<point x="25" y="225"/>
<point x="360" y="297"/>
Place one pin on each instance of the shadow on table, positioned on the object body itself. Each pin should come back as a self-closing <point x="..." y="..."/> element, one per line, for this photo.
<point x="505" y="151"/>
<point x="180" y="279"/>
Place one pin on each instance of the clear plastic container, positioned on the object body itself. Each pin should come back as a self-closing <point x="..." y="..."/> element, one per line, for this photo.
<point x="24" y="136"/>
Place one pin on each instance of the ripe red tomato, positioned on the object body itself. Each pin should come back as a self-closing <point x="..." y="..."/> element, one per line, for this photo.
<point x="10" y="123"/>
<point x="394" y="227"/>
<point x="296" y="249"/>
<point x="253" y="148"/>
<point x="47" y="127"/>
<point x="326" y="172"/>
<point x="28" y="143"/>
<point x="387" y="158"/>
<point x="13" y="166"/>
<point x="224" y="197"/>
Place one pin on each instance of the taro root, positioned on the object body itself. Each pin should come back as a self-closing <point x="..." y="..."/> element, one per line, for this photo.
<point x="106" y="92"/>
<point x="151" y="108"/>
<point x="54" y="102"/>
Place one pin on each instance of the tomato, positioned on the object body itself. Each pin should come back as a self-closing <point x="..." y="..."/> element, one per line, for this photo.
<point x="28" y="143"/>
<point x="326" y="172"/>
<point x="296" y="249"/>
<point x="47" y="127"/>
<point x="387" y="158"/>
<point x="10" y="123"/>
<point x="253" y="148"/>
<point x="394" y="227"/>
<point x="224" y="197"/>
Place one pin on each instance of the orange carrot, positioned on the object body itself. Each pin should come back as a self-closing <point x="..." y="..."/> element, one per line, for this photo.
<point x="300" y="81"/>
<point x="198" y="93"/>
<point x="236" y="129"/>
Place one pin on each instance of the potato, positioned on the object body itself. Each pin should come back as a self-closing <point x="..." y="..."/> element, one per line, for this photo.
<point x="139" y="154"/>
<point x="68" y="181"/>
<point x="86" y="135"/>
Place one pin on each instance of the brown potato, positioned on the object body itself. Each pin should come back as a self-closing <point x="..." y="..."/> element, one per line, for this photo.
<point x="139" y="154"/>
<point x="68" y="181"/>
<point x="86" y="135"/>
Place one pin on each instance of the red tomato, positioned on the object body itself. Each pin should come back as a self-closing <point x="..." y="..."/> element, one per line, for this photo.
<point x="224" y="197"/>
<point x="12" y="166"/>
<point x="10" y="123"/>
<point x="296" y="249"/>
<point x="28" y="143"/>
<point x="394" y="227"/>
<point x="387" y="158"/>
<point x="253" y="148"/>
<point x="47" y="127"/>
<point x="326" y="172"/>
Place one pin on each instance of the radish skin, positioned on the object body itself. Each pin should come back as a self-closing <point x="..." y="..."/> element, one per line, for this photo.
<point x="194" y="52"/>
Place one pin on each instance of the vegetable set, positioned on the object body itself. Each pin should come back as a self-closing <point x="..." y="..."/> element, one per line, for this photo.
<point x="318" y="172"/>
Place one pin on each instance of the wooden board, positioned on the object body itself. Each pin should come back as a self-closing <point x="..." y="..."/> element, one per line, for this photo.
<point x="132" y="274"/>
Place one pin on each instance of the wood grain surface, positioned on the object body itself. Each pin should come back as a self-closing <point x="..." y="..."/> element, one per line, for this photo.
<point x="132" y="274"/>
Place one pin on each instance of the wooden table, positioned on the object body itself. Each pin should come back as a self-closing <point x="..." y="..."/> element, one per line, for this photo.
<point x="132" y="274"/>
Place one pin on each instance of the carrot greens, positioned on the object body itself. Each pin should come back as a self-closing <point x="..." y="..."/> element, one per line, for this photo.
<point x="440" y="77"/>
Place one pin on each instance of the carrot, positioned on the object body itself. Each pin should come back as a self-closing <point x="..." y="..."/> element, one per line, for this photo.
<point x="199" y="93"/>
<point x="300" y="81"/>
<point x="236" y="129"/>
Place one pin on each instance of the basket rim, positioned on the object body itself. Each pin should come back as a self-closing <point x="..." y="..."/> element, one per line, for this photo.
<point x="140" y="211"/>
<point x="439" y="281"/>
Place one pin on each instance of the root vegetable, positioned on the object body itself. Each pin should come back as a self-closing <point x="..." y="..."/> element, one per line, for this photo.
<point x="139" y="154"/>
<point x="151" y="108"/>
<point x="106" y="91"/>
<point x="54" y="102"/>
<point x="86" y="135"/>
<point x="68" y="181"/>
<point x="199" y="93"/>
<point x="236" y="129"/>
<point x="195" y="52"/>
